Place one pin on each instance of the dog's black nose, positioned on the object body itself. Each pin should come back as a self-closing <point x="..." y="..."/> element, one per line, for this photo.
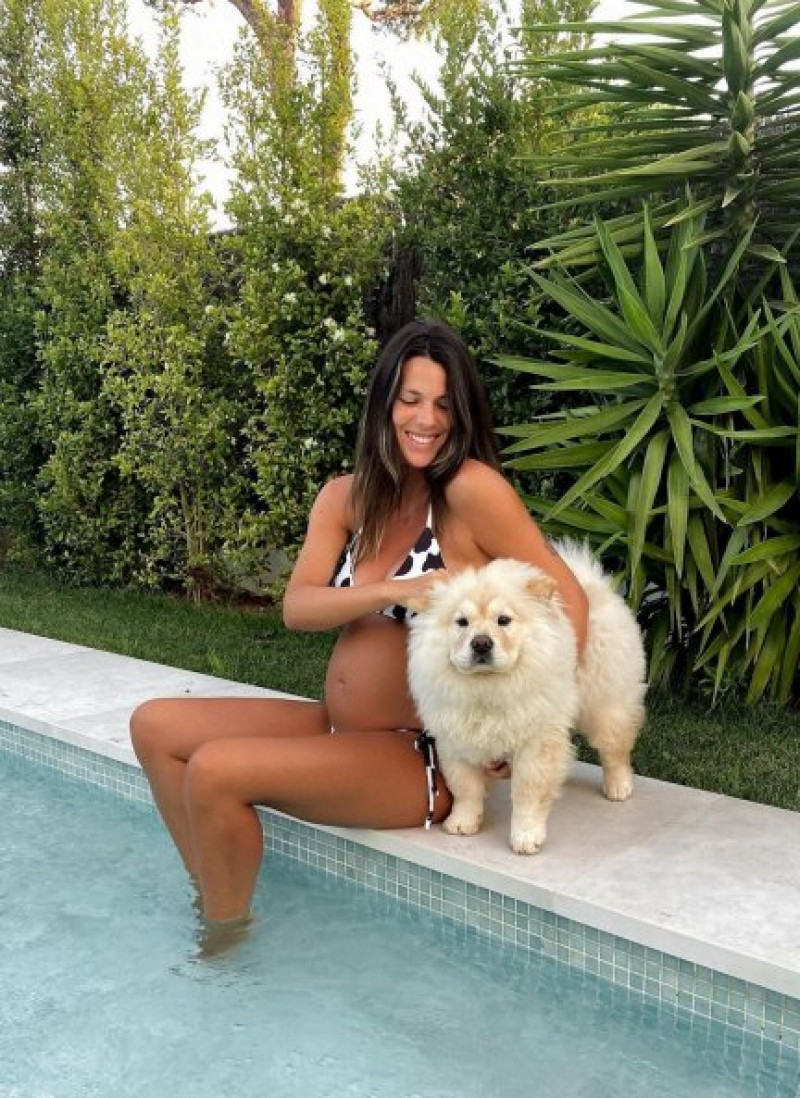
<point x="482" y="644"/>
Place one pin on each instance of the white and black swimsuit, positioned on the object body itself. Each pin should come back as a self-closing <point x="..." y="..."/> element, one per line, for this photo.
<point x="424" y="556"/>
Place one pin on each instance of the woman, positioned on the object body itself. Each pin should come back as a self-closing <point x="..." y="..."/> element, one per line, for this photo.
<point x="426" y="476"/>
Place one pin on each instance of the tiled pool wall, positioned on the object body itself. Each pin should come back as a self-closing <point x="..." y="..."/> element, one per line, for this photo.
<point x="690" y="989"/>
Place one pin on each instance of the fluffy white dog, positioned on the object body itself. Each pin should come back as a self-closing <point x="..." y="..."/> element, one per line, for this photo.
<point x="494" y="673"/>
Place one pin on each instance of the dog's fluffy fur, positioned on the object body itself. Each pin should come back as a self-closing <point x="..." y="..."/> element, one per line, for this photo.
<point x="494" y="673"/>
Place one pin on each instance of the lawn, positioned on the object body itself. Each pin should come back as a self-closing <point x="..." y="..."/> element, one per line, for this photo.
<point x="751" y="753"/>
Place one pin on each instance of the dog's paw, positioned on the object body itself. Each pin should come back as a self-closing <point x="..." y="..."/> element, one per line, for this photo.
<point x="462" y="823"/>
<point x="528" y="840"/>
<point x="618" y="783"/>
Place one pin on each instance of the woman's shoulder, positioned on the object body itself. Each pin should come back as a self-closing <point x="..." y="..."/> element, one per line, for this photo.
<point x="334" y="499"/>
<point x="474" y="481"/>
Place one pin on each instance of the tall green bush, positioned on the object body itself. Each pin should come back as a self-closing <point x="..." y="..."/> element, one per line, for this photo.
<point x="89" y="90"/>
<point x="20" y="145"/>
<point x="308" y="257"/>
<point x="166" y="375"/>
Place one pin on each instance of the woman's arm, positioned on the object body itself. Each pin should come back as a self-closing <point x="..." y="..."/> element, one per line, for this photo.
<point x="500" y="525"/>
<point x="310" y="603"/>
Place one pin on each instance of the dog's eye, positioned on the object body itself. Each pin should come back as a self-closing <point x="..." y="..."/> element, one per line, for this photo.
<point x="504" y="619"/>
<point x="462" y="622"/>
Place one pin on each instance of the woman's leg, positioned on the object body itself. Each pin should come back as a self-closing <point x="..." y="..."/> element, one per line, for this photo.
<point x="351" y="779"/>
<point x="167" y="731"/>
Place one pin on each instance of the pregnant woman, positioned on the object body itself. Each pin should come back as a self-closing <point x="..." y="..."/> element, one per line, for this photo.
<point x="426" y="495"/>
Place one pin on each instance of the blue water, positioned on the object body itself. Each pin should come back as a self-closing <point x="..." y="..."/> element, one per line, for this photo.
<point x="336" y="994"/>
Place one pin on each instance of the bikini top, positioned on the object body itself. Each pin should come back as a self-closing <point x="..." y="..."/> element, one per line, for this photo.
<point x="424" y="556"/>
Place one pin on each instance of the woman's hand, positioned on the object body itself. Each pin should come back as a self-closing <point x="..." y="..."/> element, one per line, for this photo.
<point x="414" y="593"/>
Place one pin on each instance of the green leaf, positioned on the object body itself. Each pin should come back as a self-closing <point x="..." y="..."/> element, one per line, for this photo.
<point x="766" y="251"/>
<point x="593" y="381"/>
<point x="584" y="521"/>
<point x="701" y="552"/>
<point x="760" y="434"/>
<point x="770" y="502"/>
<point x="633" y="308"/>
<point x="677" y="508"/>
<point x="601" y="350"/>
<point x="563" y="457"/>
<point x="736" y="540"/>
<point x="791" y="661"/>
<point x="652" y="470"/>
<point x="775" y="595"/>
<point x="783" y="22"/>
<point x="546" y="434"/>
<point x="721" y="405"/>
<point x="767" y="663"/>
<point x="639" y="430"/>
<point x="770" y="549"/>
<point x="682" y="434"/>
<point x="591" y="314"/>
<point x="652" y="274"/>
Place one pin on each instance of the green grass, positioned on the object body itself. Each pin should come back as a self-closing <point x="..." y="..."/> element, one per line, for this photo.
<point x="749" y="753"/>
<point x="249" y="646"/>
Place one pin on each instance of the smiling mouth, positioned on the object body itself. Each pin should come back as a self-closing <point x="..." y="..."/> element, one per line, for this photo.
<point x="422" y="440"/>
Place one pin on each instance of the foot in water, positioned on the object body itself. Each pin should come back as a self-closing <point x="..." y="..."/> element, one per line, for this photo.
<point x="218" y="936"/>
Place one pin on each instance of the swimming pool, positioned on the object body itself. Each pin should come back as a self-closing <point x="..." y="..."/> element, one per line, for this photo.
<point x="338" y="992"/>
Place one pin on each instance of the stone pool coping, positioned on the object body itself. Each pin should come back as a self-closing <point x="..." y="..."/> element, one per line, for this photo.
<point x="703" y="877"/>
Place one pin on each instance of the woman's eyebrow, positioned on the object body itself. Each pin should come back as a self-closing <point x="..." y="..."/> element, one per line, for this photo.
<point x="418" y="392"/>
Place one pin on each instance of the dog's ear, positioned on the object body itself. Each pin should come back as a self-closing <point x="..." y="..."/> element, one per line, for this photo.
<point x="541" y="586"/>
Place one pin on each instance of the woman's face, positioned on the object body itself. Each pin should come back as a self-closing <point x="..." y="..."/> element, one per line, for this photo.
<point x="421" y="411"/>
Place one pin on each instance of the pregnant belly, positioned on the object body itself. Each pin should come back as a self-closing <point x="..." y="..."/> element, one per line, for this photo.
<point x="366" y="687"/>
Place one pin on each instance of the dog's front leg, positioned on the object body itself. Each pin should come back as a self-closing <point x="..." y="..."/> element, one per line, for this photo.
<point x="467" y="783"/>
<point x="538" y="773"/>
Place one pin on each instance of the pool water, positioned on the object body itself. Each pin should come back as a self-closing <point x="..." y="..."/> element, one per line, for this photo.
<point x="337" y="993"/>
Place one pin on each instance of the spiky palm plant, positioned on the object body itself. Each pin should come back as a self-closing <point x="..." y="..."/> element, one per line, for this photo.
<point x="699" y="92"/>
<point x="686" y="454"/>
<point x="680" y="473"/>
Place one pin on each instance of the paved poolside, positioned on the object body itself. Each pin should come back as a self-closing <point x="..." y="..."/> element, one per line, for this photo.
<point x="707" y="878"/>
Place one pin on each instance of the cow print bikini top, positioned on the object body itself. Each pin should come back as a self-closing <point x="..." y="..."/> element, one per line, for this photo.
<point x="424" y="556"/>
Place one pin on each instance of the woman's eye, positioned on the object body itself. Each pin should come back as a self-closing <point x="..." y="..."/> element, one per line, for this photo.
<point x="504" y="619"/>
<point x="462" y="622"/>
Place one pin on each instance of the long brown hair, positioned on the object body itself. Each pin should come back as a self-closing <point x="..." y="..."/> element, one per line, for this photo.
<point x="379" y="466"/>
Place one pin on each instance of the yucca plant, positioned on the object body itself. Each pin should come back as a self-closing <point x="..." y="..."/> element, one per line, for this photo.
<point x="685" y="454"/>
<point x="680" y="472"/>
<point x="699" y="92"/>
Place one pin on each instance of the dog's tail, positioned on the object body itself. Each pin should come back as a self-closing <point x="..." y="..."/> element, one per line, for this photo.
<point x="580" y="559"/>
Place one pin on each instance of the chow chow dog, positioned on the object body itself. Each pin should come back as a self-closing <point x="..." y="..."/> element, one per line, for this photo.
<point x="493" y="670"/>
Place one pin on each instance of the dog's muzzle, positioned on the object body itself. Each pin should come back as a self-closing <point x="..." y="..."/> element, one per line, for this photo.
<point x="482" y="647"/>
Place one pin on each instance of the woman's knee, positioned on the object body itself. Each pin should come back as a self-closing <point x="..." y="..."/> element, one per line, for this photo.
<point x="210" y="778"/>
<point x="149" y="725"/>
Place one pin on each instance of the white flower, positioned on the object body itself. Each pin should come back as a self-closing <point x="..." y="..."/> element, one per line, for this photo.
<point x="323" y="279"/>
<point x="329" y="322"/>
<point x="290" y="298"/>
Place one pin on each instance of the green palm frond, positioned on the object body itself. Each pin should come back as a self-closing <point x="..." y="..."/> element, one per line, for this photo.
<point x="702" y="93"/>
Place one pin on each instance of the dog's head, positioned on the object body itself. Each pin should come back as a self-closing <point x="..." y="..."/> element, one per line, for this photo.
<point x="485" y="615"/>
